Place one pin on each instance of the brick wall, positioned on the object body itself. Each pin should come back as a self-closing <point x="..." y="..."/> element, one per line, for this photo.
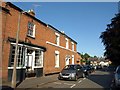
<point x="42" y="34"/>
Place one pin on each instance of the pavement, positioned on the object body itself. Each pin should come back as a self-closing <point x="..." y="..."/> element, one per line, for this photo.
<point x="32" y="82"/>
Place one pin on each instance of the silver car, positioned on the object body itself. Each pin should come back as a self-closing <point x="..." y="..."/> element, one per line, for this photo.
<point x="71" y="72"/>
<point x="117" y="76"/>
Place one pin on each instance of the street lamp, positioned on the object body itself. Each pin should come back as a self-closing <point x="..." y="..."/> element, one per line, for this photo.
<point x="16" y="50"/>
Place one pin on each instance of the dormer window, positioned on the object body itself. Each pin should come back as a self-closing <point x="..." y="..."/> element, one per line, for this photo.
<point x="31" y="29"/>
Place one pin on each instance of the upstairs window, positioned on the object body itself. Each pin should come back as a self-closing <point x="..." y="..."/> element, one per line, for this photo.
<point x="67" y="44"/>
<point x="57" y="41"/>
<point x="31" y="29"/>
<point x="72" y="46"/>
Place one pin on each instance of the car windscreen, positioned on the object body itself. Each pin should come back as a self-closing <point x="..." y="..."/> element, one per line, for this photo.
<point x="86" y="67"/>
<point x="69" y="67"/>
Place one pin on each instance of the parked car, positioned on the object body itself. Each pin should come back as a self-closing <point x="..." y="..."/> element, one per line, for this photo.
<point x="117" y="76"/>
<point x="88" y="69"/>
<point x="92" y="68"/>
<point x="71" y="72"/>
<point x="99" y="67"/>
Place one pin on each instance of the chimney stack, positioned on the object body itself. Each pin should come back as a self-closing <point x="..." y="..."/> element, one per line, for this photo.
<point x="31" y="12"/>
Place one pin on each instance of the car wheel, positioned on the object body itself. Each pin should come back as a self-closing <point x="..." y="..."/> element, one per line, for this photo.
<point x="59" y="78"/>
<point x="116" y="84"/>
<point x="76" y="77"/>
<point x="88" y="73"/>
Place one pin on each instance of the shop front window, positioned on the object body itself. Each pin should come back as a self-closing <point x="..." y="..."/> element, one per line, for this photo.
<point x="19" y="62"/>
<point x="38" y="58"/>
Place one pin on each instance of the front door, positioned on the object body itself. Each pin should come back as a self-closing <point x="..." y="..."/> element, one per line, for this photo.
<point x="67" y="61"/>
<point x="30" y="60"/>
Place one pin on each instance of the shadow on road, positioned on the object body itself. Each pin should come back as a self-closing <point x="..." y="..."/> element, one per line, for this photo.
<point x="6" y="87"/>
<point x="103" y="77"/>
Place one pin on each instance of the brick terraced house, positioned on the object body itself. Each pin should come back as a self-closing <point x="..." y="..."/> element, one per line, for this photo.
<point x="42" y="49"/>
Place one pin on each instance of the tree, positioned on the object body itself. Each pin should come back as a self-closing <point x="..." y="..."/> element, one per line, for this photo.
<point x="111" y="40"/>
<point x="85" y="58"/>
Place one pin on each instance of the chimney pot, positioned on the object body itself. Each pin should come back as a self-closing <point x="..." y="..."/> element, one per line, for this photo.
<point x="31" y="12"/>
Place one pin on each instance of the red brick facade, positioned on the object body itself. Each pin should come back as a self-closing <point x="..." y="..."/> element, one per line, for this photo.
<point x="45" y="37"/>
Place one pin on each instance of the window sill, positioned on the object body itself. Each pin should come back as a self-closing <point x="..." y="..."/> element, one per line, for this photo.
<point x="17" y="67"/>
<point x="31" y="36"/>
<point x="57" y="67"/>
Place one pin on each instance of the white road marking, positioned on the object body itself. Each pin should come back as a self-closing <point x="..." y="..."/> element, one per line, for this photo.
<point x="68" y="84"/>
<point x="73" y="85"/>
<point x="57" y="83"/>
<point x="80" y="81"/>
<point x="84" y="78"/>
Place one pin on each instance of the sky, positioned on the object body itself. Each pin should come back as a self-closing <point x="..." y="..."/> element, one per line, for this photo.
<point x="82" y="21"/>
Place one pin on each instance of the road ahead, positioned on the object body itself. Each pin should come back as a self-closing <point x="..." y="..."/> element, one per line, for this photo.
<point x="98" y="79"/>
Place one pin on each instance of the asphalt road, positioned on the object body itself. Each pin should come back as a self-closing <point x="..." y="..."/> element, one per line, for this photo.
<point x="98" y="79"/>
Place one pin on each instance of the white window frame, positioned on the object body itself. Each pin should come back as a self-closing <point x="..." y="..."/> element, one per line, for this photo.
<point x="67" y="43"/>
<point x="40" y="59"/>
<point x="20" y="62"/>
<point x="33" y="34"/>
<point x="57" y="56"/>
<point x="72" y="46"/>
<point x="57" y="39"/>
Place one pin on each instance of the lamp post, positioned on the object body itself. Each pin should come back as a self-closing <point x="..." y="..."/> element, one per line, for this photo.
<point x="16" y="52"/>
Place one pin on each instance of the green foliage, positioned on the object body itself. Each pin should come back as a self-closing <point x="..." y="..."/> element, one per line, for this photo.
<point x="111" y="40"/>
<point x="85" y="56"/>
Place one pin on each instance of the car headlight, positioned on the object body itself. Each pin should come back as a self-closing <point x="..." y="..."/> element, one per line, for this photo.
<point x="60" y="74"/>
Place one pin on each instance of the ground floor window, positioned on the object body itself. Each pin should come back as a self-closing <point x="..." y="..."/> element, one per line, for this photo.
<point x="26" y="56"/>
<point x="38" y="58"/>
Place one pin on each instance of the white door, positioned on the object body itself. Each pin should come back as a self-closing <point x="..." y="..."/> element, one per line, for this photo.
<point x="72" y="59"/>
<point x="30" y="60"/>
<point x="67" y="61"/>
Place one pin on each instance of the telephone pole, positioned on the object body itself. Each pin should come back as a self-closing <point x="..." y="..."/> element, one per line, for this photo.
<point x="16" y="52"/>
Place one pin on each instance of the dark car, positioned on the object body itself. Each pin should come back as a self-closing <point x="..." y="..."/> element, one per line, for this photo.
<point x="99" y="67"/>
<point x="92" y="68"/>
<point x="71" y="72"/>
<point x="87" y="69"/>
<point x="117" y="77"/>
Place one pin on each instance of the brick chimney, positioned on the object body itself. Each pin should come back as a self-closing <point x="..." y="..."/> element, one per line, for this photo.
<point x="31" y="12"/>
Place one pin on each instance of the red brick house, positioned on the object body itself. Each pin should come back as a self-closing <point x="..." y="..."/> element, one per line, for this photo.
<point x="42" y="49"/>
